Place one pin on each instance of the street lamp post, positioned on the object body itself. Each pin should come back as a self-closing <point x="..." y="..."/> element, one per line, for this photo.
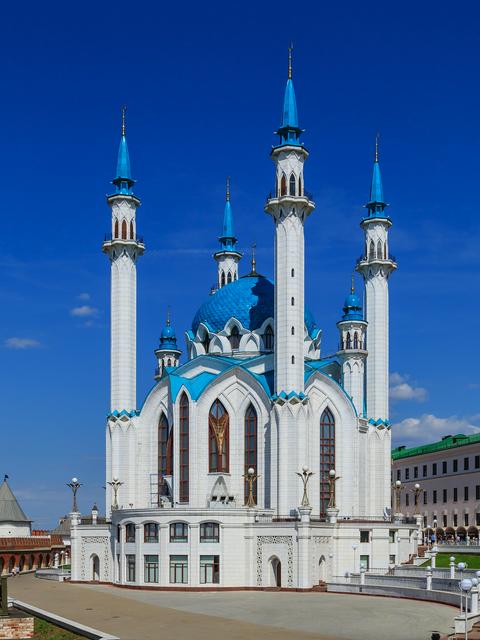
<point x="417" y="490"/>
<point x="354" y="547"/>
<point x="74" y="485"/>
<point x="250" y="478"/>
<point x="332" y="479"/>
<point x="115" y="484"/>
<point x="397" y="489"/>
<point x="305" y="475"/>
<point x="465" y="588"/>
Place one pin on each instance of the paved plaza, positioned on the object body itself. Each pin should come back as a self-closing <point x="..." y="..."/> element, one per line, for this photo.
<point x="149" y="615"/>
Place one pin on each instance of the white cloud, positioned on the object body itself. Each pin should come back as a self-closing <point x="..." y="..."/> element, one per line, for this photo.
<point x="21" y="343"/>
<point x="85" y="311"/>
<point x="429" y="428"/>
<point x="401" y="389"/>
<point x="83" y="296"/>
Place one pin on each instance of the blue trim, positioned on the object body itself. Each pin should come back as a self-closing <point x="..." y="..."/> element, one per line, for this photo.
<point x="124" y="412"/>
<point x="380" y="421"/>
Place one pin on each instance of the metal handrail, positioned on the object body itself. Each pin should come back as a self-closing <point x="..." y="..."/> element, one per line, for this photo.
<point x="109" y="237"/>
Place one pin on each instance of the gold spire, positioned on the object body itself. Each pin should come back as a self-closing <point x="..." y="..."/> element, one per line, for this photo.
<point x="124" y="109"/>
<point x="352" y="290"/>
<point x="377" y="139"/>
<point x="290" y="49"/>
<point x="168" y="316"/>
<point x="227" y="195"/>
<point x="254" y="262"/>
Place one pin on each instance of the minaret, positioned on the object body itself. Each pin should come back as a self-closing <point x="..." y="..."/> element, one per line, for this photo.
<point x="352" y="350"/>
<point x="289" y="208"/>
<point x="376" y="267"/>
<point x="228" y="257"/>
<point x="123" y="248"/>
<point x="168" y="353"/>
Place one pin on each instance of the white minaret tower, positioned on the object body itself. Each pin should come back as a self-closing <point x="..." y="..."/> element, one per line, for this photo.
<point x="123" y="249"/>
<point x="289" y="208"/>
<point x="352" y="350"/>
<point x="228" y="257"/>
<point x="376" y="267"/>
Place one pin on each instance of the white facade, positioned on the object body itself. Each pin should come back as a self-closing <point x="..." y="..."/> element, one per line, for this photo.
<point x="254" y="394"/>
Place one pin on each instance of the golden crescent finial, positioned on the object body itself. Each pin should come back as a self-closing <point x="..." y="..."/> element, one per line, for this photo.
<point x="227" y="194"/>
<point x="254" y="262"/>
<point x="124" y="109"/>
<point x="377" y="140"/>
<point x="290" y="49"/>
<point x="168" y="316"/>
<point x="352" y="290"/>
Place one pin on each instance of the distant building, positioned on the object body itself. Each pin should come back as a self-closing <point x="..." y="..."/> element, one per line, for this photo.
<point x="448" y="473"/>
<point x="21" y="548"/>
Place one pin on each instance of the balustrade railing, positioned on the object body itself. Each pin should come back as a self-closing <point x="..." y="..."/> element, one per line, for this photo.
<point x="109" y="237"/>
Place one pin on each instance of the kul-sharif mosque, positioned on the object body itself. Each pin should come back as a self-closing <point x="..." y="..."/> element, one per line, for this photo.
<point x="256" y="462"/>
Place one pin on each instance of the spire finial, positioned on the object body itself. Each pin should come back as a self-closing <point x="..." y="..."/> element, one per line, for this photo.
<point x="377" y="140"/>
<point x="290" y="49"/>
<point x="352" y="290"/>
<point x="254" y="262"/>
<point x="124" y="109"/>
<point x="227" y="194"/>
<point x="168" y="316"/>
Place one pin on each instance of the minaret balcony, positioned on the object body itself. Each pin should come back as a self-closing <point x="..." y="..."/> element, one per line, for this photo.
<point x="110" y="242"/>
<point x="364" y="261"/>
<point x="352" y="351"/>
<point x="305" y="200"/>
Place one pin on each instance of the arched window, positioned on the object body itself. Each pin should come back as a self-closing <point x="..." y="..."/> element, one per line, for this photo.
<point x="283" y="185"/>
<point x="293" y="302"/>
<point x="162" y="455"/>
<point x="229" y="278"/>
<point x="293" y="359"/>
<point x="222" y="279"/>
<point x="349" y="341"/>
<point x="250" y="448"/>
<point x="150" y="532"/>
<point x="292" y="273"/>
<point x="371" y="254"/>
<point x="355" y="340"/>
<point x="300" y="186"/>
<point x="115" y="233"/>
<point x="327" y="457"/>
<point x="124" y="230"/>
<point x="184" y="433"/>
<point x="132" y="235"/>
<point x="293" y="331"/>
<point x="385" y="251"/>
<point x="292" y="185"/>
<point x="268" y="338"/>
<point x="379" y="250"/>
<point x="234" y="337"/>
<point x="218" y="440"/>
<point x="206" y="342"/>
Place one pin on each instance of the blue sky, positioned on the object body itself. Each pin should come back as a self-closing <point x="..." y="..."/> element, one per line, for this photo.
<point x="204" y="87"/>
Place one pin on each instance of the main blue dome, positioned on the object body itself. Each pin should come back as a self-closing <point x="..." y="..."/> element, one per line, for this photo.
<point x="251" y="300"/>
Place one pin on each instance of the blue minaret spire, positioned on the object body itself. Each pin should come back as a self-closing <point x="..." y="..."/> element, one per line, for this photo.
<point x="228" y="256"/>
<point x="228" y="239"/>
<point x="289" y="132"/>
<point x="123" y="180"/>
<point x="376" y="205"/>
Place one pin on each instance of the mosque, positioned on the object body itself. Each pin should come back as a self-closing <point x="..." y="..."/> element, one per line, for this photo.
<point x="255" y="462"/>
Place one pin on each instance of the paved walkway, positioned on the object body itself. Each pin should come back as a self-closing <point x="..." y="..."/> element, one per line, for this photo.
<point x="150" y="615"/>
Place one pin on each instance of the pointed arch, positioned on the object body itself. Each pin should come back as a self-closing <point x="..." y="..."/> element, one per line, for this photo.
<point x="293" y="359"/>
<point x="292" y="186"/>
<point x="250" y="439"/>
<point x="293" y="331"/>
<point x="300" y="193"/>
<point x="234" y="337"/>
<point x="327" y="457"/>
<point x="379" y="250"/>
<point x="349" y="340"/>
<point x="184" y="433"/>
<point x="268" y="338"/>
<point x="222" y="279"/>
<point x="132" y="233"/>
<point x="229" y="278"/>
<point x="124" y="229"/>
<point x="371" y="252"/>
<point x="355" y="340"/>
<point x="283" y="185"/>
<point x="115" y="232"/>
<point x="218" y="438"/>
<point x="162" y="455"/>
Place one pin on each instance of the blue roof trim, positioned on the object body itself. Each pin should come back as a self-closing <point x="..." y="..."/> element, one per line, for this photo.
<point x="379" y="422"/>
<point x="124" y="412"/>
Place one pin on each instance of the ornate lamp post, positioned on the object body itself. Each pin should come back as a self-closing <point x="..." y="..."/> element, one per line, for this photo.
<point x="115" y="484"/>
<point x="465" y="588"/>
<point x="250" y="478"/>
<point x="332" y="479"/>
<point x="305" y="475"/>
<point x="74" y="486"/>
<point x="417" y="490"/>
<point x="397" y="489"/>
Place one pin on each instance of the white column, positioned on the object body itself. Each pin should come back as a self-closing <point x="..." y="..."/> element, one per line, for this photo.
<point x="139" y="579"/>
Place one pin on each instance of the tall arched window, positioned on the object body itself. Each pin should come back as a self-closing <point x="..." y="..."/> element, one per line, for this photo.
<point x="206" y="342"/>
<point x="293" y="302"/>
<point x="229" y="278"/>
<point x="250" y="448"/>
<point x="234" y="338"/>
<point x="162" y="455"/>
<point x="115" y="233"/>
<point x="268" y="338"/>
<point x="371" y="254"/>
<point x="293" y="331"/>
<point x="283" y="185"/>
<point x="132" y="235"/>
<point x="184" y="433"/>
<point x="327" y="457"/>
<point x="292" y="273"/>
<point x="218" y="438"/>
<point x="355" y="340"/>
<point x="124" y="230"/>
<point x="379" y="250"/>
<point x="349" y="341"/>
<point x="292" y="185"/>
<point x="300" y="186"/>
<point x="293" y="359"/>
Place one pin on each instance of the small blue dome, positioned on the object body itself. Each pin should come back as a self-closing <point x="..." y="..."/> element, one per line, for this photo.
<point x="352" y="300"/>
<point x="251" y="300"/>
<point x="168" y="339"/>
<point x="352" y="309"/>
<point x="168" y="332"/>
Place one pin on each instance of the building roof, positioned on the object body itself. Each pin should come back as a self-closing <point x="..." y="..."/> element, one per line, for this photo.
<point x="250" y="300"/>
<point x="10" y="510"/>
<point x="447" y="442"/>
<point x="63" y="527"/>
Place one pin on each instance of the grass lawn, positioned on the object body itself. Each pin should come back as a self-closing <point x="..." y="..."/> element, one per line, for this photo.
<point x="443" y="560"/>
<point x="46" y="631"/>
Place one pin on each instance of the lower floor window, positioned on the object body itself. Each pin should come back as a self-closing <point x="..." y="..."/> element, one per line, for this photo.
<point x="209" y="569"/>
<point x="392" y="559"/>
<point x="151" y="569"/>
<point x="130" y="568"/>
<point x="179" y="569"/>
<point x="364" y="562"/>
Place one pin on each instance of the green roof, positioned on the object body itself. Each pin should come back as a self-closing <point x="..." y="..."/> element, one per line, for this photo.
<point x="447" y="442"/>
